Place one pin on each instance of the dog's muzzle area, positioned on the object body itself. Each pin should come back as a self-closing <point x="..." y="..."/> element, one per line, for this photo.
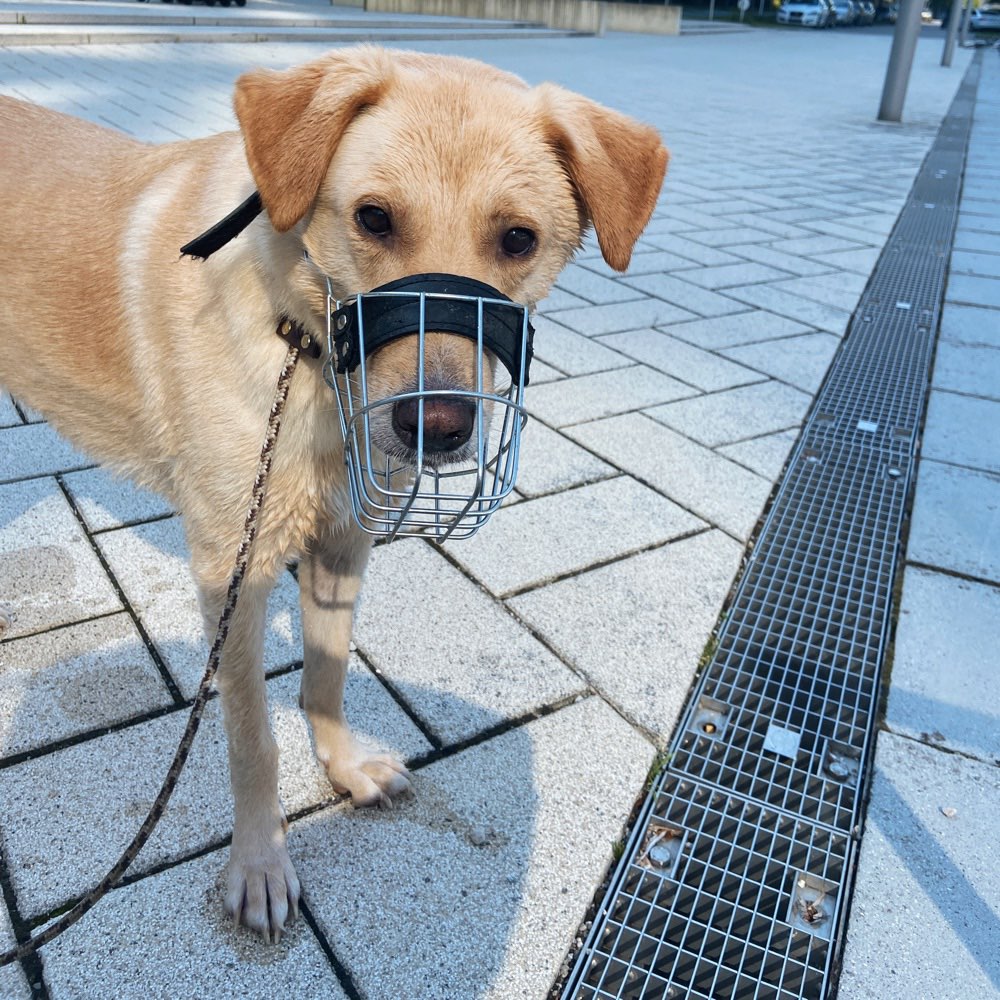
<point x="438" y="457"/>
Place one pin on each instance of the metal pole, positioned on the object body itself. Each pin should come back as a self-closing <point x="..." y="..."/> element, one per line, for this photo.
<point x="954" y="16"/>
<point x="897" y="76"/>
<point x="964" y="39"/>
<point x="711" y="10"/>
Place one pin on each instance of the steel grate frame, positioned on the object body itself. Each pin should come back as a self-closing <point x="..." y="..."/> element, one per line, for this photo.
<point x="734" y="879"/>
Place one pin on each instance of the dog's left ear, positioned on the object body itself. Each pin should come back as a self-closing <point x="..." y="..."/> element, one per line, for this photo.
<point x="616" y="165"/>
<point x="292" y="121"/>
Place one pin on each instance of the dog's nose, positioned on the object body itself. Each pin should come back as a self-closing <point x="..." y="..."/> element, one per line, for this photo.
<point x="448" y="422"/>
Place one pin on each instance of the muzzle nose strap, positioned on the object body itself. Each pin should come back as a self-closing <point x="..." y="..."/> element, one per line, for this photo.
<point x="451" y="305"/>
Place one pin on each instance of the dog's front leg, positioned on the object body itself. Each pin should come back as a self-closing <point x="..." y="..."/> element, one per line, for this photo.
<point x="329" y="581"/>
<point x="262" y="887"/>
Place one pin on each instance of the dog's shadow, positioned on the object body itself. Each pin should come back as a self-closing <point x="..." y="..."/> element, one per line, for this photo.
<point x="427" y="899"/>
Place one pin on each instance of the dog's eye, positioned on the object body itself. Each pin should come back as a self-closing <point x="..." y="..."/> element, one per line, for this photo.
<point x="375" y="220"/>
<point x="518" y="242"/>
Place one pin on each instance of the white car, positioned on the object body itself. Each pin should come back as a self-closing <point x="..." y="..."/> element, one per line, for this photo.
<point x="985" y="18"/>
<point x="811" y="13"/>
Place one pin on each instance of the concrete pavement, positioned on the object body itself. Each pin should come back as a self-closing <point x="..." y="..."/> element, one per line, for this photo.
<point x="667" y="398"/>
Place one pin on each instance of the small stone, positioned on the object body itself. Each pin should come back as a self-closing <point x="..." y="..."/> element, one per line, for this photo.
<point x="479" y="836"/>
<point x="6" y="620"/>
<point x="950" y="811"/>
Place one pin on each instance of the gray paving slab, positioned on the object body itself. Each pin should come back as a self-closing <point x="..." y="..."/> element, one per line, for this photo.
<point x="764" y="455"/>
<point x="797" y="307"/>
<point x="799" y="361"/>
<point x="735" y="414"/>
<point x="504" y="846"/>
<point x="550" y="462"/>
<point x="700" y="480"/>
<point x="973" y="290"/>
<point x="926" y="908"/>
<point x="728" y="237"/>
<point x="636" y="629"/>
<point x="588" y="397"/>
<point x="13" y="984"/>
<point x="594" y="320"/>
<point x="973" y="325"/>
<point x="839" y="290"/>
<point x="985" y="265"/>
<point x="654" y="262"/>
<point x="974" y="241"/>
<point x="571" y="352"/>
<point x="691" y="250"/>
<point x="860" y="261"/>
<point x="740" y="328"/>
<point x="807" y="246"/>
<point x="457" y="657"/>
<point x="167" y="936"/>
<point x="558" y="299"/>
<point x="945" y="686"/>
<point x="593" y="287"/>
<point x="36" y="450"/>
<point x="955" y="517"/>
<point x="9" y="417"/>
<point x="150" y="562"/>
<point x="678" y="292"/>
<point x="963" y="430"/>
<point x="105" y="501"/>
<point x="570" y="531"/>
<point x="785" y="261"/>
<point x="68" y="815"/>
<point x="71" y="680"/>
<point x="49" y="574"/>
<point x="733" y="274"/>
<point x="968" y="369"/>
<point x="702" y="369"/>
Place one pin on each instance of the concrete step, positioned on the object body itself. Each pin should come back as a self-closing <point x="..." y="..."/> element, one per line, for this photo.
<point x="110" y="34"/>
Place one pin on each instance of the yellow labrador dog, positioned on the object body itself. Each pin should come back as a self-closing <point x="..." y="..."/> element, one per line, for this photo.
<point x="378" y="165"/>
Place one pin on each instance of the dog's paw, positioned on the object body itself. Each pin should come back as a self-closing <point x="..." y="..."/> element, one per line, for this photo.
<point x="262" y="889"/>
<point x="371" y="779"/>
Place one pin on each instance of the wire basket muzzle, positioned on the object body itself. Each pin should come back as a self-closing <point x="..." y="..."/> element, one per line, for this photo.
<point x="419" y="486"/>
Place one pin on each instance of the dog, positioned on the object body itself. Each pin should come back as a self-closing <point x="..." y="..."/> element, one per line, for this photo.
<point x="371" y="165"/>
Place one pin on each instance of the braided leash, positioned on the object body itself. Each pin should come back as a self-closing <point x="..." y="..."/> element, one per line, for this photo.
<point x="197" y="709"/>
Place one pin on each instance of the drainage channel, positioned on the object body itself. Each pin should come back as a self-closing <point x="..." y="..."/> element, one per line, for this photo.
<point x="735" y="879"/>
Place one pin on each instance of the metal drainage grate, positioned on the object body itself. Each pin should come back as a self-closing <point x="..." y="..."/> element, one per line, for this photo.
<point x="733" y="882"/>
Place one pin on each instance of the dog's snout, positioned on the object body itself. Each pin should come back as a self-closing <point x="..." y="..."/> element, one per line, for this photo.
<point x="448" y="422"/>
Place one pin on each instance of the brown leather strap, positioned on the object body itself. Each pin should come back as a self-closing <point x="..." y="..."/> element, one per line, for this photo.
<point x="297" y="336"/>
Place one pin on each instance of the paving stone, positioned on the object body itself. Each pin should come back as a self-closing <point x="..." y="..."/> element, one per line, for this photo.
<point x="840" y="290"/>
<point x="150" y="562"/>
<point x="796" y="307"/>
<point x="970" y="290"/>
<point x="657" y="261"/>
<point x="736" y="414"/>
<point x="637" y="628"/>
<point x="541" y="372"/>
<point x="963" y="430"/>
<point x="681" y="360"/>
<point x="945" y="686"/>
<point x="593" y="287"/>
<point x="860" y="261"/>
<point x="924" y="912"/>
<point x="799" y="361"/>
<point x="49" y="574"/>
<point x="696" y="252"/>
<point x="970" y="369"/>
<point x="588" y="397"/>
<point x="740" y="328"/>
<point x="973" y="241"/>
<point x="699" y="479"/>
<point x="955" y="518"/>
<point x="570" y="531"/>
<point x="975" y="222"/>
<point x="807" y="246"/>
<point x="570" y="352"/>
<point x="36" y="450"/>
<point x="502" y="849"/>
<point x="69" y="814"/>
<point x="559" y="299"/>
<point x="682" y="293"/>
<point x="67" y="681"/>
<point x="13" y="984"/>
<point x="730" y="237"/>
<point x="765" y="455"/>
<point x="105" y="501"/>
<point x="783" y="261"/>
<point x="985" y="265"/>
<point x="457" y="657"/>
<point x="551" y="462"/>
<point x="9" y="417"/>
<point x="733" y="274"/>
<point x="595" y="320"/>
<point x="971" y="325"/>
<point x="167" y="936"/>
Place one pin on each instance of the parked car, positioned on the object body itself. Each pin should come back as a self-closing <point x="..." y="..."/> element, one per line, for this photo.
<point x="810" y="13"/>
<point x="985" y="18"/>
<point x="846" y="12"/>
<point x="866" y="12"/>
<point x="886" y="13"/>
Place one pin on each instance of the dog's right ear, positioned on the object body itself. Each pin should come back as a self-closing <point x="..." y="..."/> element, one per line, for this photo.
<point x="292" y="121"/>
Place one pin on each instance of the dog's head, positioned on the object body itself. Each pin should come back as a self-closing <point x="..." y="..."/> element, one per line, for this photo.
<point x="390" y="164"/>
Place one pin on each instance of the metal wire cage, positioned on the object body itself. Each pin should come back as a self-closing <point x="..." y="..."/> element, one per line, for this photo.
<point x="426" y="496"/>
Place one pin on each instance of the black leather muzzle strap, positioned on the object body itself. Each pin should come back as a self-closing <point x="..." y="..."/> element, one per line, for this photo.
<point x="386" y="317"/>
